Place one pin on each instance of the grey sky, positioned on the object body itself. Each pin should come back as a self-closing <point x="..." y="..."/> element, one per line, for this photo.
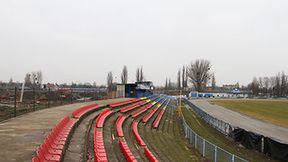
<point x="81" y="41"/>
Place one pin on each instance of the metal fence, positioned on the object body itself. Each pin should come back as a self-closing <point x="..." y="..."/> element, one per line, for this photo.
<point x="220" y="125"/>
<point x="10" y="105"/>
<point x="208" y="149"/>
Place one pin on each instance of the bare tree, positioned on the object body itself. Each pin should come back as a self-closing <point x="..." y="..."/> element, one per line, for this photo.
<point x="254" y="86"/>
<point x="266" y="84"/>
<point x="213" y="82"/>
<point x="39" y="77"/>
<point x="110" y="82"/>
<point x="141" y="74"/>
<point x="184" y="77"/>
<point x="138" y="75"/>
<point x="283" y="84"/>
<point x="166" y="84"/>
<point x="199" y="74"/>
<point x="179" y="79"/>
<point x="28" y="79"/>
<point x="124" y="75"/>
<point x="277" y="88"/>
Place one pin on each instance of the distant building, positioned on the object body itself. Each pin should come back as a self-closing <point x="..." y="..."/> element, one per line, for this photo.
<point x="138" y="89"/>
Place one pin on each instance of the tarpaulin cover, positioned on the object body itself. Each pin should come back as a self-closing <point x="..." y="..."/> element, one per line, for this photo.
<point x="276" y="150"/>
<point x="248" y="139"/>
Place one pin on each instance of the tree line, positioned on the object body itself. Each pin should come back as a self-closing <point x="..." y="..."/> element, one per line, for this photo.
<point x="274" y="86"/>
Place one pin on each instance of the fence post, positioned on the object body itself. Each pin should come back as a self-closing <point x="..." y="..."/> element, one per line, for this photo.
<point x="203" y="151"/>
<point x="262" y="144"/>
<point x="233" y="157"/>
<point x="49" y="97"/>
<point x="34" y="97"/>
<point x="71" y="99"/>
<point x="215" y="154"/>
<point x="15" y="101"/>
<point x="196" y="141"/>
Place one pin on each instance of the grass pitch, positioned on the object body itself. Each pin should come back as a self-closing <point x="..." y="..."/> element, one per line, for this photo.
<point x="275" y="112"/>
<point x="214" y="136"/>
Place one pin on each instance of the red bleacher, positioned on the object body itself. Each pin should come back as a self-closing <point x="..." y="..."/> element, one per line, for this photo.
<point x="126" y="151"/>
<point x="83" y="110"/>
<point x="142" y="110"/>
<point x="158" y="119"/>
<point x="119" y="124"/>
<point x="101" y="118"/>
<point x="53" y="147"/>
<point x="122" y="103"/>
<point x="149" y="155"/>
<point x="136" y="133"/>
<point x="149" y="115"/>
<point x="133" y="106"/>
<point x="99" y="147"/>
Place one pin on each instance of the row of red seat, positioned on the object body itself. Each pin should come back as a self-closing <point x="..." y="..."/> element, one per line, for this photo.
<point x="83" y="110"/>
<point x="149" y="115"/>
<point x="149" y="155"/>
<point x="136" y="133"/>
<point x="158" y="119"/>
<point x="123" y="103"/>
<point x="123" y="144"/>
<point x="119" y="124"/>
<point x="133" y="106"/>
<point x="101" y="118"/>
<point x="53" y="147"/>
<point x="99" y="147"/>
<point x="142" y="110"/>
<point x="126" y="151"/>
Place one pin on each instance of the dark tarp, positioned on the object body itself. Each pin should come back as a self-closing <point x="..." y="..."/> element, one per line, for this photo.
<point x="276" y="150"/>
<point x="248" y="139"/>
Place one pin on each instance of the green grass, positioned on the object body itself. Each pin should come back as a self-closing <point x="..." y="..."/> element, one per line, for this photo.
<point x="275" y="112"/>
<point x="206" y="131"/>
<point x="168" y="142"/>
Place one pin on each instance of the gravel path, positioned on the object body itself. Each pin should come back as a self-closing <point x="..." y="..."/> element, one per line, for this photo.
<point x="242" y="121"/>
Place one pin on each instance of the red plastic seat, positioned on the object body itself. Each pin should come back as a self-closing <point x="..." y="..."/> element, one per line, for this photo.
<point x="83" y="110"/>
<point x="102" y="117"/>
<point x="119" y="124"/>
<point x="158" y="119"/>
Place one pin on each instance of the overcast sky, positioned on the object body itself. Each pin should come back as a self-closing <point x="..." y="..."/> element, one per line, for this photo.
<point x="81" y="41"/>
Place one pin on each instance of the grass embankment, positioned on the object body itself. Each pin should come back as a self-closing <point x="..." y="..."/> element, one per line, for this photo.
<point x="167" y="142"/>
<point x="217" y="138"/>
<point x="275" y="112"/>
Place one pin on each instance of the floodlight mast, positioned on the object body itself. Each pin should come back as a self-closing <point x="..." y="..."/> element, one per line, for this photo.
<point x="22" y="91"/>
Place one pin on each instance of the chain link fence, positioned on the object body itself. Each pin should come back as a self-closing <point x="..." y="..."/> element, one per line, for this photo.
<point x="208" y="149"/>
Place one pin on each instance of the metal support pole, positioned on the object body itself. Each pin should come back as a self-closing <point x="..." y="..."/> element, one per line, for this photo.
<point x="34" y="98"/>
<point x="196" y="141"/>
<point x="215" y="154"/>
<point x="203" y="151"/>
<point x="71" y="98"/>
<point x="262" y="144"/>
<point x="15" y="102"/>
<point x="233" y="158"/>
<point x="49" y="97"/>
